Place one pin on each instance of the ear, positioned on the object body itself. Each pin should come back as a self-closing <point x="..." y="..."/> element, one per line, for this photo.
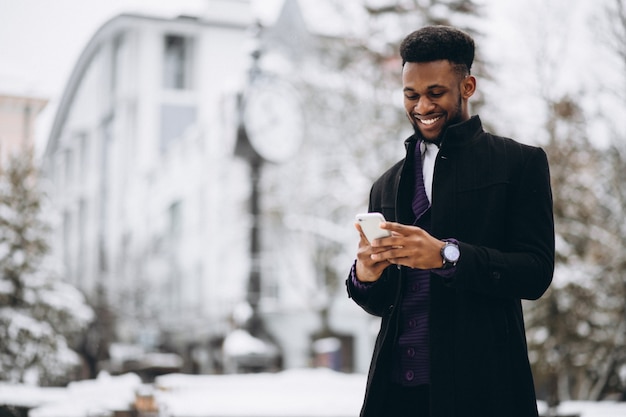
<point x="468" y="86"/>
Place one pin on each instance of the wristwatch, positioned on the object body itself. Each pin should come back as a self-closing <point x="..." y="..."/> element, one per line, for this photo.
<point x="450" y="254"/>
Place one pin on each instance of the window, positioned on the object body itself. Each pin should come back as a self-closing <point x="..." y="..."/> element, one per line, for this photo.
<point x="81" y="267"/>
<point x="68" y="234"/>
<point x="83" y="154"/>
<point x="69" y="167"/>
<point x="117" y="62"/>
<point x="175" y="120"/>
<point x="177" y="63"/>
<point x="175" y="220"/>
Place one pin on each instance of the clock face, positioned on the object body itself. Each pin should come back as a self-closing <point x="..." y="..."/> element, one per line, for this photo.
<point x="273" y="121"/>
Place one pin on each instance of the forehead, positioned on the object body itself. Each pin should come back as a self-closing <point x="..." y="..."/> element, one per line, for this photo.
<point x="419" y="75"/>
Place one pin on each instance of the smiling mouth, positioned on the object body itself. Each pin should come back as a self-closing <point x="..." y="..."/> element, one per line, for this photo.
<point x="429" y="122"/>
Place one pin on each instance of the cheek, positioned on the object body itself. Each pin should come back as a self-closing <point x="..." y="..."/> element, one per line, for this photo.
<point x="451" y="103"/>
<point x="408" y="106"/>
<point x="408" y="111"/>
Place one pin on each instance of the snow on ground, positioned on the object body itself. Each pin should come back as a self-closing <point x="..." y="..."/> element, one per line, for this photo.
<point x="589" y="408"/>
<point x="93" y="397"/>
<point x="292" y="393"/>
<point x="301" y="393"/>
<point x="30" y="396"/>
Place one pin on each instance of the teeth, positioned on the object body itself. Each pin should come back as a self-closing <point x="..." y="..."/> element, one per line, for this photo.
<point x="430" y="121"/>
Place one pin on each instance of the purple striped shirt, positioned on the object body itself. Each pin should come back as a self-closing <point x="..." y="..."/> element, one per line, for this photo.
<point x="411" y="358"/>
<point x="411" y="366"/>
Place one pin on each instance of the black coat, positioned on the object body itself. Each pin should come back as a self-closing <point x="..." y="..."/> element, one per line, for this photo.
<point x="493" y="195"/>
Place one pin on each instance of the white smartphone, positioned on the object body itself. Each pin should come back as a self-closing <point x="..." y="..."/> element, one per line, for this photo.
<point x="370" y="224"/>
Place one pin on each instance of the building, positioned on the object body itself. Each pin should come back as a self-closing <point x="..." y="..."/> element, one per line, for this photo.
<point x="153" y="199"/>
<point x="17" y="124"/>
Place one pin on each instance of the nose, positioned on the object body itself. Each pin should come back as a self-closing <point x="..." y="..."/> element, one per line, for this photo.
<point x="423" y="106"/>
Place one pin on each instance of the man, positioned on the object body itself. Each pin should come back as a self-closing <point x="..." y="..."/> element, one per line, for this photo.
<point x="472" y="234"/>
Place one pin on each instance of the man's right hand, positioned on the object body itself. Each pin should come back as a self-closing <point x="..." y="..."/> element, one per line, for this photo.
<point x="368" y="270"/>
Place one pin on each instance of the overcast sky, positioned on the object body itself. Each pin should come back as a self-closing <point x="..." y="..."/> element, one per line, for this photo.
<point x="40" y="40"/>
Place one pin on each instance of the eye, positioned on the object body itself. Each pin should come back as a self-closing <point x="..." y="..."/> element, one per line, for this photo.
<point x="436" y="94"/>
<point x="411" y="96"/>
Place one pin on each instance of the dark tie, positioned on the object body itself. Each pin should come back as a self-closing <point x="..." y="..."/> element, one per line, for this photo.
<point x="420" y="200"/>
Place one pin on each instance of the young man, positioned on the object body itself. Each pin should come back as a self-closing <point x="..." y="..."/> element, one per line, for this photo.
<point x="472" y="234"/>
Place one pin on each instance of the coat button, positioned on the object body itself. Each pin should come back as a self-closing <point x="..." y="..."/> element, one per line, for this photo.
<point x="390" y="308"/>
<point x="409" y="375"/>
<point x="496" y="276"/>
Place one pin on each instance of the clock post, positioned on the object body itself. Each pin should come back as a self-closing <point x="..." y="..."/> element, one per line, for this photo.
<point x="253" y="295"/>
<point x="268" y="131"/>
<point x="246" y="150"/>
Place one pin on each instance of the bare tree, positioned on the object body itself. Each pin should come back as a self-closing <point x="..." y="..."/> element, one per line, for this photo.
<point x="577" y="330"/>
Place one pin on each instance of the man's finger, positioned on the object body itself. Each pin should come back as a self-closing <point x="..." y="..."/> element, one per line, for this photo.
<point x="360" y="230"/>
<point x="397" y="227"/>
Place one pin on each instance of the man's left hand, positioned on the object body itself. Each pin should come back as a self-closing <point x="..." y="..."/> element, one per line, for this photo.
<point x="411" y="246"/>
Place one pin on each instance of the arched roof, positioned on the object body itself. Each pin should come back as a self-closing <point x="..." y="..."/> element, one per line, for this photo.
<point x="105" y="33"/>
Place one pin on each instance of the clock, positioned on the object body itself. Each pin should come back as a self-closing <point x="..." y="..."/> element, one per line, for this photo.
<point x="272" y="118"/>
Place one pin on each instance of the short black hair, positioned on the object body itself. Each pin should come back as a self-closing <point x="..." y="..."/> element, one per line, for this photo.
<point x="433" y="43"/>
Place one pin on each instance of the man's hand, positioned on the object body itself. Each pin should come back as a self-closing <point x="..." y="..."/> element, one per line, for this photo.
<point x="409" y="246"/>
<point x="368" y="269"/>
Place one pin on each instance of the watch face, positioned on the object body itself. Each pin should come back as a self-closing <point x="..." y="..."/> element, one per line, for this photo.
<point x="451" y="253"/>
<point x="273" y="122"/>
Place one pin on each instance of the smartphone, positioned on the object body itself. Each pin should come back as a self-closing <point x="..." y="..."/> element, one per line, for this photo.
<point x="370" y="224"/>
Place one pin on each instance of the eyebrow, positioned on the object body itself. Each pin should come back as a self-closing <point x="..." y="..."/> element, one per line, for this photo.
<point x="430" y="87"/>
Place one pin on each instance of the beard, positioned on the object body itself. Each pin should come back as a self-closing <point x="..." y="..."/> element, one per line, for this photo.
<point x="454" y="118"/>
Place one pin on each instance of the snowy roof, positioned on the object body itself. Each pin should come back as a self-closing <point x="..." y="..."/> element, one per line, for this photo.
<point x="241" y="343"/>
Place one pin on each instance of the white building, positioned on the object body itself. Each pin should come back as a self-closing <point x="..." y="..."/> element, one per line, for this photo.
<point x="153" y="199"/>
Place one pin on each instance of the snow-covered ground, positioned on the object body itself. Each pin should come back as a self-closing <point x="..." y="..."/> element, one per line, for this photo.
<point x="309" y="393"/>
<point x="292" y="393"/>
<point x="96" y="397"/>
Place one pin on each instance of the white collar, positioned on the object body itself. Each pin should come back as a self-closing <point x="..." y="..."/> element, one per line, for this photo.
<point x="429" y="153"/>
